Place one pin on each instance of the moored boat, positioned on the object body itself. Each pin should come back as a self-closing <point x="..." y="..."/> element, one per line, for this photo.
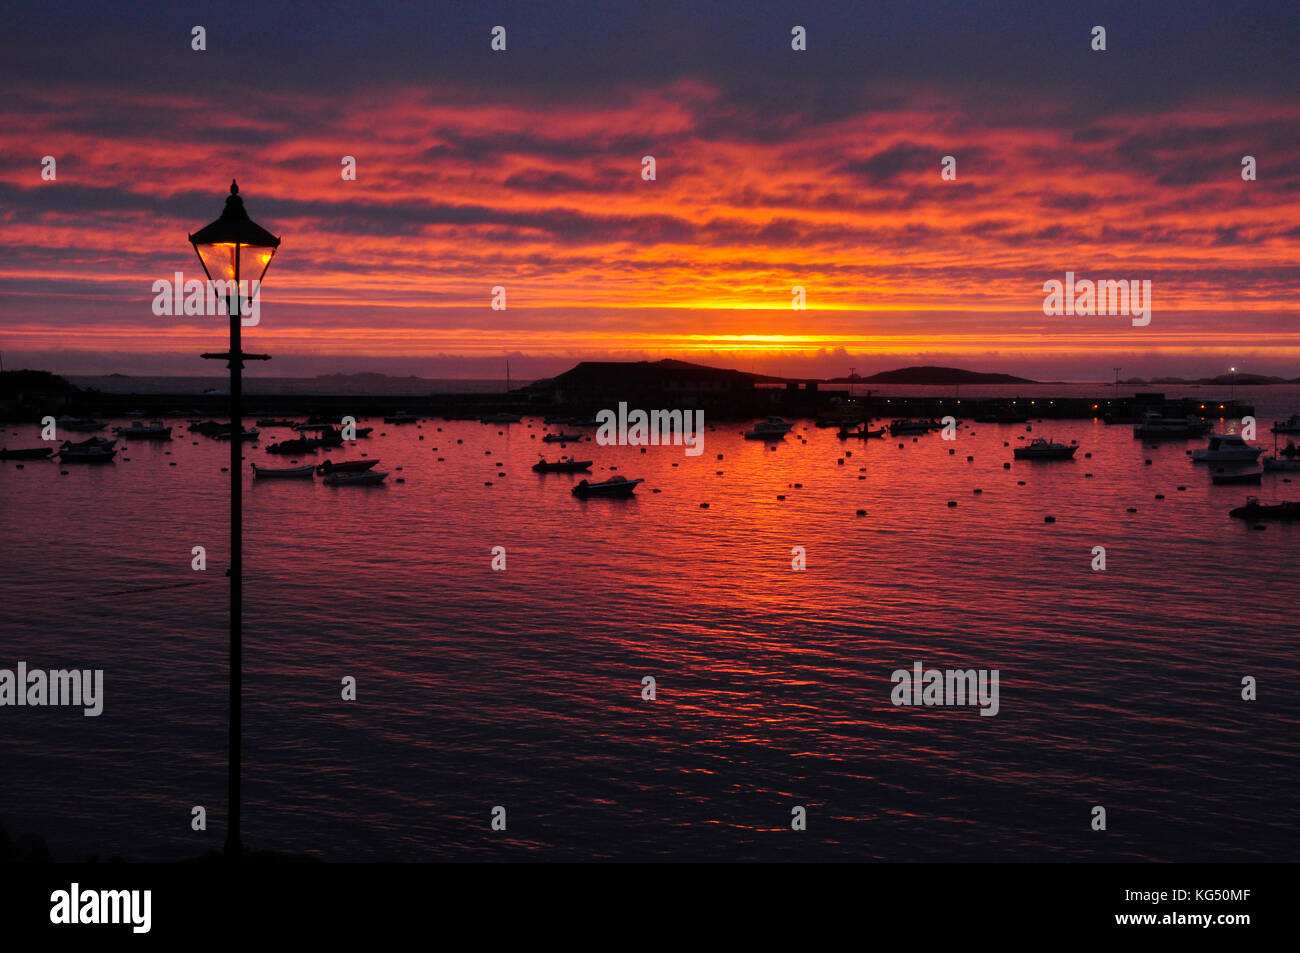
<point x="1041" y="449"/>
<point x="32" y="453"/>
<point x="1282" y="463"/>
<point x="275" y="422"/>
<point x="300" y="445"/>
<point x="1290" y="425"/>
<point x="1154" y="426"/>
<point x="862" y="434"/>
<point x="1227" y="448"/>
<point x="92" y="454"/>
<point x="401" y="417"/>
<point x="1255" y="510"/>
<point x="773" y="428"/>
<point x="368" y="478"/>
<point x="284" y="473"/>
<point x="79" y="424"/>
<point x="616" y="486"/>
<point x="501" y="418"/>
<point x="561" y="437"/>
<point x="563" y="465"/>
<point x="904" y="427"/>
<point x="1233" y="479"/>
<point x="346" y="466"/>
<point x="154" y="430"/>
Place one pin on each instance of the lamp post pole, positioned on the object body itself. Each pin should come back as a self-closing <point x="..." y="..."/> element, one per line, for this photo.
<point x="220" y="248"/>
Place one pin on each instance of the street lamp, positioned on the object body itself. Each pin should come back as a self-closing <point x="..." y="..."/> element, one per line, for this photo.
<point x="231" y="247"/>
<point x="1232" y="386"/>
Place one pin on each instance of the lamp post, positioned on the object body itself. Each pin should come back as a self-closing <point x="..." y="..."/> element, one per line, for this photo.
<point x="233" y="245"/>
<point x="1232" y="385"/>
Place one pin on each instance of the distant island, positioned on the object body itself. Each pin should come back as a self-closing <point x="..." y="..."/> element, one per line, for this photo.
<point x="1223" y="380"/>
<point x="930" y="376"/>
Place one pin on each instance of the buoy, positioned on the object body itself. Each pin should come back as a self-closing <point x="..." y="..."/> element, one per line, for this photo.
<point x="1006" y="466"/>
<point x="1182" y="489"/>
<point x="704" y="506"/>
<point x="978" y="491"/>
<point x="780" y="496"/>
<point x="798" y="486"/>
<point x="951" y="451"/>
<point x="487" y="482"/>
<point x="1020" y="483"/>
<point x="952" y="503"/>
<point x="1049" y="519"/>
<point x="1132" y="509"/>
<point x="840" y="462"/>
<point x="401" y="479"/>
<point x="1160" y="496"/>
<point x="862" y="512"/>
<point x="970" y="459"/>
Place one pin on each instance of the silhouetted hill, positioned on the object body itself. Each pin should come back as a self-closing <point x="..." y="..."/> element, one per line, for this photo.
<point x="935" y="376"/>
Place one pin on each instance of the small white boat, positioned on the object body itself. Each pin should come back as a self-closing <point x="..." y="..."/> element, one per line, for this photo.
<point x="1227" y="448"/>
<point x="284" y="473"/>
<point x="366" y="478"/>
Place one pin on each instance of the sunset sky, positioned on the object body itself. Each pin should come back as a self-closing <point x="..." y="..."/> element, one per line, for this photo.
<point x="775" y="168"/>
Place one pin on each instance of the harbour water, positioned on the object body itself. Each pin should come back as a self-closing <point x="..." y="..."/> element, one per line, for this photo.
<point x="523" y="688"/>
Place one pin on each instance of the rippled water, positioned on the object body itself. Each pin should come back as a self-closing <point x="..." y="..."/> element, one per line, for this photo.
<point x="523" y="688"/>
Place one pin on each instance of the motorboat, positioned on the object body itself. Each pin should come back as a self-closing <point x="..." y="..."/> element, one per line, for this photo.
<point x="79" y="424"/>
<point x="904" y="427"/>
<point x="1154" y="426"/>
<point x="253" y="434"/>
<point x="34" y="453"/>
<point x="561" y="437"/>
<point x="346" y="466"/>
<point x="101" y="442"/>
<point x="284" y="473"/>
<point x="617" y="486"/>
<point x="1227" y="448"/>
<point x="1282" y="463"/>
<point x="862" y="433"/>
<point x="299" y="445"/>
<point x="563" y="465"/>
<point x="154" y="430"/>
<point x="91" y="454"/>
<point x="368" y="478"/>
<point x="275" y="422"/>
<point x="401" y="417"/>
<point x="1290" y="425"/>
<point x="1234" y="479"/>
<point x="773" y="428"/>
<point x="1255" y="510"/>
<point x="1041" y="449"/>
